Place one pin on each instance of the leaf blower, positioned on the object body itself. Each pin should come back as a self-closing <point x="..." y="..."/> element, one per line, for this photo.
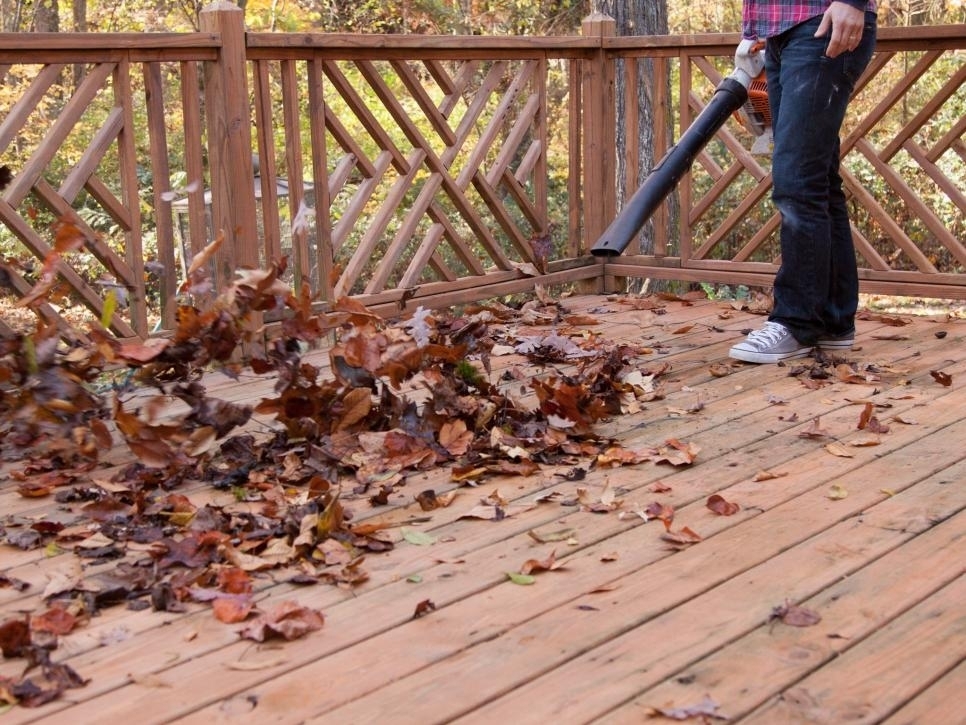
<point x="743" y="92"/>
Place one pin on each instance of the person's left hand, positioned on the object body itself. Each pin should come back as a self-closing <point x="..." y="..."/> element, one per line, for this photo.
<point x="846" y="24"/>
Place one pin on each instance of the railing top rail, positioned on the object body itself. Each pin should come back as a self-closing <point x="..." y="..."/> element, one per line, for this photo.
<point x="936" y="36"/>
<point x="467" y="43"/>
<point x="104" y="41"/>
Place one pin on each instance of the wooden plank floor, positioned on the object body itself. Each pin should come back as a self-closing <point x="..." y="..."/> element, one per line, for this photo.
<point x="874" y="543"/>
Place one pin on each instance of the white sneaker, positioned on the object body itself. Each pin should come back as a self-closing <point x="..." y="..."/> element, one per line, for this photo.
<point x="771" y="344"/>
<point x="844" y="341"/>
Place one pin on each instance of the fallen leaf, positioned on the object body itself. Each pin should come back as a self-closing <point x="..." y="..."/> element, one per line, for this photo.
<point x="721" y="507"/>
<point x="814" y="430"/>
<point x="677" y="453"/>
<point x="944" y="379"/>
<point x="705" y="709"/>
<point x="255" y="665"/>
<point x="604" y="588"/>
<point x="520" y="578"/>
<point x="551" y="536"/>
<point x="682" y="538"/>
<point x="14" y="637"/>
<point x="531" y="566"/>
<point x="491" y="512"/>
<point x="289" y="620"/>
<point x="232" y="608"/>
<point x="55" y="620"/>
<point x="904" y="420"/>
<point x="149" y="680"/>
<point x="876" y="426"/>
<point x="423" y="608"/>
<point x="418" y="538"/>
<point x="455" y="437"/>
<point x="794" y="615"/>
<point x="837" y="492"/>
<point x="768" y="475"/>
<point x="847" y="374"/>
<point x="661" y="511"/>
<point x="17" y="584"/>
<point x="837" y="449"/>
<point x="720" y="370"/>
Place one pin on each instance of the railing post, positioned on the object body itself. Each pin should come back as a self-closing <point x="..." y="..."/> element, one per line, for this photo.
<point x="228" y="114"/>
<point x="599" y="197"/>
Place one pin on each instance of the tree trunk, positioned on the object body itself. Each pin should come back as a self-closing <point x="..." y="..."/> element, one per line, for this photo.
<point x="80" y="26"/>
<point x="46" y="19"/>
<point x="638" y="17"/>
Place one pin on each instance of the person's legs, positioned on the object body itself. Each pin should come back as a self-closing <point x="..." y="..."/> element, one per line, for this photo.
<point x="816" y="288"/>
<point x="838" y="316"/>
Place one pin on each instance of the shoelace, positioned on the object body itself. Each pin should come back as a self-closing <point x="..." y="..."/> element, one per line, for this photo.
<point x="770" y="334"/>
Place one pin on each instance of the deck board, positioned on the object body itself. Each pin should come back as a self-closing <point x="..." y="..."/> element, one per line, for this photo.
<point x="627" y="624"/>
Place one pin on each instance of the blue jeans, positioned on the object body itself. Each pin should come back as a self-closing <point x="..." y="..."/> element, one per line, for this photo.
<point x="817" y="285"/>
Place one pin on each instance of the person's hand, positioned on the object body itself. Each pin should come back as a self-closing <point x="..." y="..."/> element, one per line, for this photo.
<point x="845" y="23"/>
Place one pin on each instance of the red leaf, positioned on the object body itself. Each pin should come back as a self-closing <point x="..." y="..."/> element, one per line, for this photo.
<point x="720" y="506"/>
<point x="532" y="566"/>
<point x="55" y="620"/>
<point x="661" y="511"/>
<point x="232" y="608"/>
<point x="14" y="637"/>
<point x="423" y="608"/>
<point x="944" y="379"/>
<point x="681" y="539"/>
<point x="67" y="237"/>
<point x="289" y="620"/>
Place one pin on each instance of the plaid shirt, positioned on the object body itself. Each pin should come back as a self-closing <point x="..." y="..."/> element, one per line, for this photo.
<point x="767" y="18"/>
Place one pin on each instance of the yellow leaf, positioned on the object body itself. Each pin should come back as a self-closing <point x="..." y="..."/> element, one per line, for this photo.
<point x="768" y="475"/>
<point x="837" y="449"/>
<point x="837" y="492"/>
<point x="110" y="305"/>
<point x="204" y="256"/>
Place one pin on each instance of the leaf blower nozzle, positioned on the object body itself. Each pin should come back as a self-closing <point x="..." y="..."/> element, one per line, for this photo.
<point x="730" y="95"/>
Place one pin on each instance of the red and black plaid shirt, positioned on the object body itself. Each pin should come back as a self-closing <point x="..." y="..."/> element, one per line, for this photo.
<point x="767" y="18"/>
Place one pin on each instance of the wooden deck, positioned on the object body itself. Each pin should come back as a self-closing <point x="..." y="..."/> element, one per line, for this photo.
<point x="874" y="543"/>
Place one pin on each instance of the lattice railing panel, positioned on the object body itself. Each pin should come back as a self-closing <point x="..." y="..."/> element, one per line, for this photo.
<point x="99" y="147"/>
<point x="434" y="169"/>
<point x="66" y="191"/>
<point x="902" y="162"/>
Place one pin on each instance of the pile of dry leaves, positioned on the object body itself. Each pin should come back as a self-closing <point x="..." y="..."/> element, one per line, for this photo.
<point x="397" y="397"/>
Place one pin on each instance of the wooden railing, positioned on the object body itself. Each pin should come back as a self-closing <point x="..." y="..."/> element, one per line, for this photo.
<point x="903" y="164"/>
<point x="408" y="170"/>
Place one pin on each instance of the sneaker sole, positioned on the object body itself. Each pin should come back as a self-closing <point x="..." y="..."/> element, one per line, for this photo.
<point x="835" y="344"/>
<point x="768" y="357"/>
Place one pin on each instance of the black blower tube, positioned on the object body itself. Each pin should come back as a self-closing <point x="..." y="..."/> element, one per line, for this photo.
<point x="728" y="97"/>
